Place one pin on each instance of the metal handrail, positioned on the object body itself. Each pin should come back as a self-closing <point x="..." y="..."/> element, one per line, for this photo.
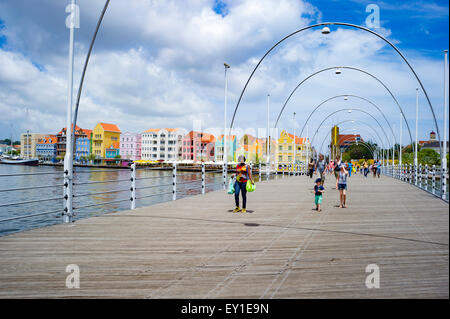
<point x="25" y="188"/>
<point x="100" y="182"/>
<point x="138" y="188"/>
<point x="30" y="201"/>
<point x="153" y="177"/>
<point x="27" y="174"/>
<point x="153" y="195"/>
<point x="105" y="203"/>
<point x="105" y="170"/>
<point x="28" y="216"/>
<point x="99" y="193"/>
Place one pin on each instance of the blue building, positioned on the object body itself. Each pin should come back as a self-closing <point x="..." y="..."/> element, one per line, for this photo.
<point x="46" y="148"/>
<point x="82" y="148"/>
<point x="231" y="148"/>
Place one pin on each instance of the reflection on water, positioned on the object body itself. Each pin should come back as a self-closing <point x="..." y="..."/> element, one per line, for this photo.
<point x="156" y="182"/>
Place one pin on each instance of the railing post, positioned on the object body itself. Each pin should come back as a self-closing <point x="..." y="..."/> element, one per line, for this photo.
<point x="259" y="171"/>
<point x="133" y="186"/>
<point x="284" y="169"/>
<point x="203" y="178"/>
<point x="433" y="179"/>
<point x="444" y="182"/>
<point x="420" y="176"/>
<point x="224" y="172"/>
<point x="174" y="181"/>
<point x="68" y="197"/>
<point x="426" y="177"/>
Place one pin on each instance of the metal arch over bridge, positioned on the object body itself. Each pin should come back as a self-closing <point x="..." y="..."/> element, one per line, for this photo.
<point x="348" y="109"/>
<point x="355" y="69"/>
<point x="348" y="25"/>
<point x="347" y="95"/>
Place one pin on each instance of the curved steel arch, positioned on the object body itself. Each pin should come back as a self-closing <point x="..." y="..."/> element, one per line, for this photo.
<point x="329" y="133"/>
<point x="353" y="26"/>
<point x="369" y="126"/>
<point x="367" y="146"/>
<point x="343" y="95"/>
<point x="346" y="109"/>
<point x="80" y="87"/>
<point x="355" y="69"/>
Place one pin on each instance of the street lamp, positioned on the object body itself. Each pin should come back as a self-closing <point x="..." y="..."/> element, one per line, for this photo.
<point x="225" y="159"/>
<point x="338" y="71"/>
<point x="326" y="30"/>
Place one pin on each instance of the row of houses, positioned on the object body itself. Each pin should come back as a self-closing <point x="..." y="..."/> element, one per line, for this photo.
<point x="107" y="143"/>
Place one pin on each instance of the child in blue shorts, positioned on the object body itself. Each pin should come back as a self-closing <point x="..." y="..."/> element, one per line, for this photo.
<point x="318" y="191"/>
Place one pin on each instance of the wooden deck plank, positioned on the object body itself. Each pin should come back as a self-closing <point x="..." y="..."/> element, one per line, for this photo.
<point x="196" y="248"/>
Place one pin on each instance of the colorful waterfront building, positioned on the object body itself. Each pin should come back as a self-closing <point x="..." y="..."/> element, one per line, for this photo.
<point x="198" y="147"/>
<point x="231" y="143"/>
<point x="130" y="146"/>
<point x="61" y="140"/>
<point x="83" y="145"/>
<point x="46" y="148"/>
<point x="285" y="154"/>
<point x="113" y="151"/>
<point x="28" y="143"/>
<point x="104" y="135"/>
<point x="162" y="144"/>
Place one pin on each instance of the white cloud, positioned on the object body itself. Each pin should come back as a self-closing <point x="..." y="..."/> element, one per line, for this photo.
<point x="160" y="64"/>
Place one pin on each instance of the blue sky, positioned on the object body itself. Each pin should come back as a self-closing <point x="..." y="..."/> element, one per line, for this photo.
<point x="164" y="66"/>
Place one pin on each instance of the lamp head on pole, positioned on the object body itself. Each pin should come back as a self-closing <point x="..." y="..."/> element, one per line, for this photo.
<point x="326" y="30"/>
<point x="338" y="71"/>
<point x="226" y="66"/>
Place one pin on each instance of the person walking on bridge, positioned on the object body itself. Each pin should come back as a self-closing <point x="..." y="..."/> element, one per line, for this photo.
<point x="341" y="185"/>
<point x="311" y="168"/>
<point x="243" y="174"/>
<point x="320" y="168"/>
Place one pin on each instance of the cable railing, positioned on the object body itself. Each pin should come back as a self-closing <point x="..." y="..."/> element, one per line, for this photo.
<point x="432" y="179"/>
<point x="91" y="194"/>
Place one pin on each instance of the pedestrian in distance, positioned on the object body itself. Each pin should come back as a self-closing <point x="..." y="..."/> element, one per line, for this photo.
<point x="320" y="168"/>
<point x="311" y="168"/>
<point x="318" y="192"/>
<point x="243" y="174"/>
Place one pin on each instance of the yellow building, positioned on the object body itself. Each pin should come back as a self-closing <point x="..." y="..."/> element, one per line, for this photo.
<point x="286" y="148"/>
<point x="103" y="136"/>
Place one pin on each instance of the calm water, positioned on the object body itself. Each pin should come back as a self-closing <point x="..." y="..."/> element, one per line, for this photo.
<point x="213" y="182"/>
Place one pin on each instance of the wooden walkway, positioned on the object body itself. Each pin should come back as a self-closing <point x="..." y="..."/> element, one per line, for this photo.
<point x="197" y="248"/>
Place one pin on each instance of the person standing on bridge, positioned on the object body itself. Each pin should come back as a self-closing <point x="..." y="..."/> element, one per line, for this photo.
<point x="318" y="192"/>
<point x="320" y="168"/>
<point x="341" y="185"/>
<point x="243" y="174"/>
<point x="311" y="168"/>
<point x="337" y="167"/>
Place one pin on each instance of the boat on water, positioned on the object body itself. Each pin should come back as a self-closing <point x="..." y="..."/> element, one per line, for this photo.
<point x="30" y="162"/>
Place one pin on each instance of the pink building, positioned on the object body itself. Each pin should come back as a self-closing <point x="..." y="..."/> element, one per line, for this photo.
<point x="198" y="146"/>
<point x="130" y="146"/>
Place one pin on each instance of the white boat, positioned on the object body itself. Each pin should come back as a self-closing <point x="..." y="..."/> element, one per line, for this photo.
<point x="31" y="162"/>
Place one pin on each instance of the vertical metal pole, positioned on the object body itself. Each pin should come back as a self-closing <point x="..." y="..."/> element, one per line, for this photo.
<point x="295" y="145"/>
<point x="268" y="139"/>
<point x="68" y="158"/>
<point x="400" y="148"/>
<point x="224" y="172"/>
<point x="444" y="157"/>
<point x="203" y="178"/>
<point x="133" y="186"/>
<point x="307" y="148"/>
<point x="417" y="129"/>
<point x="426" y="177"/>
<point x="433" y="180"/>
<point x="420" y="176"/>
<point x="259" y="171"/>
<point x="174" y="181"/>
<point x="225" y="156"/>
